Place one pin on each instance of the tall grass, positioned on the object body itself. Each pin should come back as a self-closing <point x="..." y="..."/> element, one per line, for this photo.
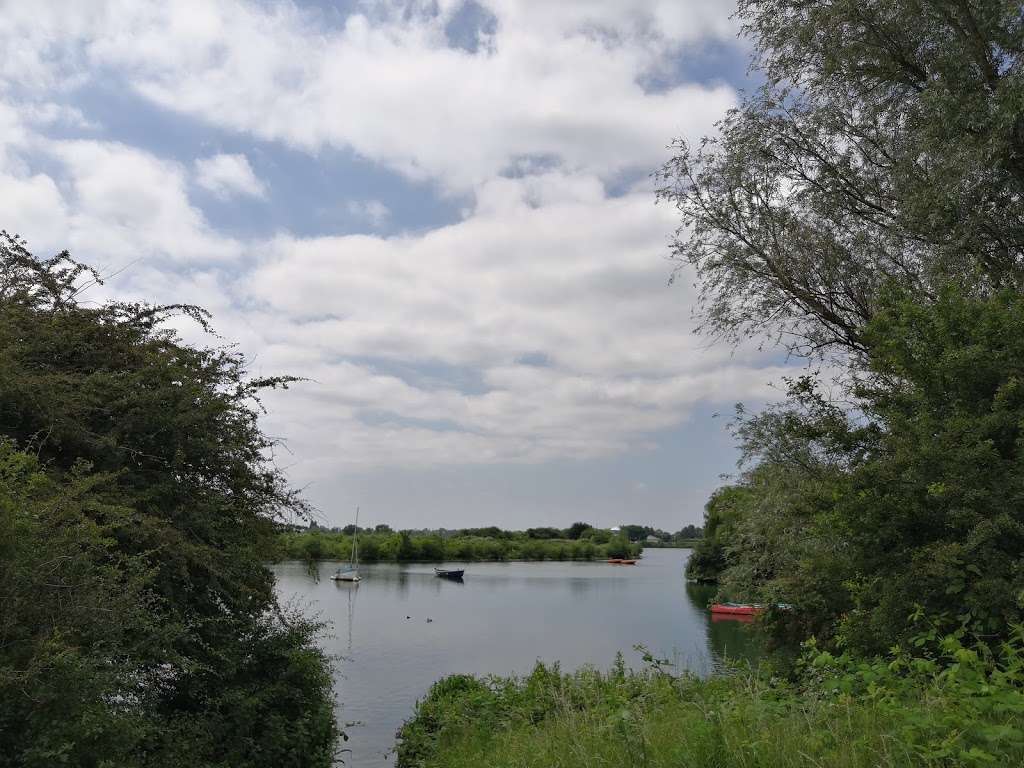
<point x="841" y="714"/>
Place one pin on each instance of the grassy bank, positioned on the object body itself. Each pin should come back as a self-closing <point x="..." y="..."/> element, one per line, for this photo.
<point x="950" y="709"/>
<point x="402" y="547"/>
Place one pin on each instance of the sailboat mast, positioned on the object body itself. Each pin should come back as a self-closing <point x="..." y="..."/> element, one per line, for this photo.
<point x="355" y="541"/>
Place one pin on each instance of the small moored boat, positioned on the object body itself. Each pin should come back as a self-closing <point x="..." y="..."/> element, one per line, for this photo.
<point x="621" y="561"/>
<point x="746" y="609"/>
<point x="446" y="573"/>
<point x="351" y="573"/>
<point x="346" y="574"/>
<point x="737" y="609"/>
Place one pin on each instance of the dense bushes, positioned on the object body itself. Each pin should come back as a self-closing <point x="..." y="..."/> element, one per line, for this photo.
<point x="403" y="547"/>
<point x="138" y="624"/>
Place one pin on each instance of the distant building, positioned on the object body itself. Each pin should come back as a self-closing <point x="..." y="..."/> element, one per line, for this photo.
<point x="615" y="529"/>
<point x="652" y="539"/>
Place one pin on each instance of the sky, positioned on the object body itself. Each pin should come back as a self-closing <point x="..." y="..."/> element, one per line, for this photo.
<point x="440" y="214"/>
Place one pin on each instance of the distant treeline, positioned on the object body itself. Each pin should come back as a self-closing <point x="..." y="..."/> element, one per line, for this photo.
<point x="470" y="544"/>
<point x="635" y="533"/>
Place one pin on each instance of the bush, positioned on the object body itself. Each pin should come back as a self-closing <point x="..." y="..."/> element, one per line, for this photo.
<point x="618" y="547"/>
<point x="138" y="506"/>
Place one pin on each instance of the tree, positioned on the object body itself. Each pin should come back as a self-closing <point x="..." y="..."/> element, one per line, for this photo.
<point x="634" y="532"/>
<point x="405" y="549"/>
<point x="189" y="498"/>
<point x="618" y="546"/>
<point x="721" y="512"/>
<point x="688" y="531"/>
<point x="886" y="147"/>
<point x="576" y="530"/>
<point x="543" y="533"/>
<point x="597" y="535"/>
<point x="865" y="206"/>
<point x="913" y="500"/>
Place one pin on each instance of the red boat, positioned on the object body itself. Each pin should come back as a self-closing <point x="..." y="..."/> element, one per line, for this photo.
<point x="621" y="561"/>
<point x="737" y="609"/>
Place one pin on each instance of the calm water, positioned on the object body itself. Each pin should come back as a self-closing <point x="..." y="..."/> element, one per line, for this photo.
<point x="500" y="620"/>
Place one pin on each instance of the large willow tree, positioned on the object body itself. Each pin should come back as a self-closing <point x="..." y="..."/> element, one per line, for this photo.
<point x="866" y="206"/>
<point x="887" y="146"/>
<point x="138" y="505"/>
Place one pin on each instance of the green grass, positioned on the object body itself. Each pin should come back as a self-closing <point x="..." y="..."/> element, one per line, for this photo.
<point x="844" y="714"/>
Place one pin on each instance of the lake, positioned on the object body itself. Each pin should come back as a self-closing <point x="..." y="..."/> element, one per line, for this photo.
<point x="500" y="620"/>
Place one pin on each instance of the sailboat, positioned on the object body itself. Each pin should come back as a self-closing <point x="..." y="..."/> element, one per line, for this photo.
<point x="352" y="572"/>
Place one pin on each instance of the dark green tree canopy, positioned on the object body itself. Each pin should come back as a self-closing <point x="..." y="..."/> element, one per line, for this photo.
<point x="134" y="477"/>
<point x="576" y="530"/>
<point x="917" y="498"/>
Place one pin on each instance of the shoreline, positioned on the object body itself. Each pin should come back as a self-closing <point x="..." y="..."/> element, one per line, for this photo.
<point x="462" y="562"/>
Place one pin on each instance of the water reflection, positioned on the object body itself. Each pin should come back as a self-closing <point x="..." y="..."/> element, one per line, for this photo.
<point x="351" y="590"/>
<point x="730" y="638"/>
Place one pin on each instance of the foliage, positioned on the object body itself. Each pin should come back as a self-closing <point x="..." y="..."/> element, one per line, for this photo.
<point x="64" y="581"/>
<point x="885" y="147"/>
<point x="981" y="694"/>
<point x="688" y="532"/>
<point x="865" y="206"/>
<point x="577" y="529"/>
<point x="407" y="547"/>
<point x="853" y="518"/>
<point x="636" y="532"/>
<point x="545" y="533"/>
<point x="597" y="535"/>
<point x="720" y="514"/>
<point x="966" y="710"/>
<point x="619" y="546"/>
<point x="140" y="626"/>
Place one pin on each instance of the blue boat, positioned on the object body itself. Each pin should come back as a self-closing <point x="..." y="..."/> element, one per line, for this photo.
<point x="445" y="573"/>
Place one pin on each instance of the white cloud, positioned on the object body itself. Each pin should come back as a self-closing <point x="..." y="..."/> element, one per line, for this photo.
<point x="557" y="80"/>
<point x="110" y="203"/>
<point x="545" y="269"/>
<point x="655" y="21"/>
<point x="227" y="176"/>
<point x="33" y="205"/>
<point x="127" y="204"/>
<point x="573" y="282"/>
<point x="372" y="211"/>
<point x="549" y="296"/>
<point x="51" y="113"/>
